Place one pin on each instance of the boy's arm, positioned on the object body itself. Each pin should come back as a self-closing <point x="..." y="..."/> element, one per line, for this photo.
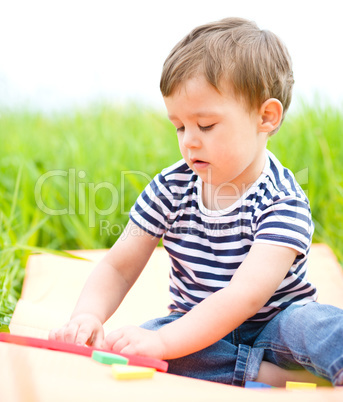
<point x="107" y="286"/>
<point x="251" y="287"/>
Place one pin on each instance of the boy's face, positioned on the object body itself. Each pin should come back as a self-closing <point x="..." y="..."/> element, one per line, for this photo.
<point x="218" y="136"/>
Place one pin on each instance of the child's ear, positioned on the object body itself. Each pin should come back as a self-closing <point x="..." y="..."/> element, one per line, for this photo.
<point x="270" y="115"/>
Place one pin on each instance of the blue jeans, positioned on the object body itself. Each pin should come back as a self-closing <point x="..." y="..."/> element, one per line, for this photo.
<point x="309" y="336"/>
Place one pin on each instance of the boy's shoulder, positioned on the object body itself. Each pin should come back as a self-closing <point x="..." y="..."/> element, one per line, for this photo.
<point x="281" y="180"/>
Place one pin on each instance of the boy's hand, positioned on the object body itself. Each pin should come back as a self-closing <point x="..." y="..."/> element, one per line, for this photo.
<point x="82" y="329"/>
<point x="136" y="341"/>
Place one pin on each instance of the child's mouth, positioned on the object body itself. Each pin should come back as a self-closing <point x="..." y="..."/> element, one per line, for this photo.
<point x="199" y="164"/>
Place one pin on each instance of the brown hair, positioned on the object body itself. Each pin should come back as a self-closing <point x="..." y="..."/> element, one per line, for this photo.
<point x="233" y="51"/>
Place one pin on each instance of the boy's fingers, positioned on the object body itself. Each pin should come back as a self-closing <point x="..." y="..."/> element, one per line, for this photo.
<point x="83" y="335"/>
<point x="112" y="338"/>
<point x="89" y="336"/>
<point x="120" y="345"/>
<point x="58" y="334"/>
<point x="65" y="334"/>
<point x="98" y="340"/>
<point x="129" y="349"/>
<point x="117" y="341"/>
<point x="70" y="333"/>
<point x="52" y="334"/>
<point x="81" y="330"/>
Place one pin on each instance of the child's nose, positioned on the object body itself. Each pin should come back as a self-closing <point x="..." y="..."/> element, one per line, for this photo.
<point x="190" y="139"/>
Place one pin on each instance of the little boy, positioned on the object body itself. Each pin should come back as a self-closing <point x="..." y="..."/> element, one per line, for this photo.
<point x="234" y="221"/>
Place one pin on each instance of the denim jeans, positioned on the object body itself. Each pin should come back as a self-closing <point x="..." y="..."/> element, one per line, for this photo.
<point x="231" y="360"/>
<point x="309" y="336"/>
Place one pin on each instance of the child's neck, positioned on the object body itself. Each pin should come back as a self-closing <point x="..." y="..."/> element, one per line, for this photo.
<point x="214" y="199"/>
<point x="219" y="197"/>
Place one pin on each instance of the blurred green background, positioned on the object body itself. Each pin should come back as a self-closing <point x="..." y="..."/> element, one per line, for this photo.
<point x="68" y="180"/>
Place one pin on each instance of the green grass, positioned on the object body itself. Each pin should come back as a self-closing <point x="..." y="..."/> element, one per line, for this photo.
<point x="12" y="261"/>
<point x="68" y="180"/>
<point x="311" y="145"/>
<point x="99" y="159"/>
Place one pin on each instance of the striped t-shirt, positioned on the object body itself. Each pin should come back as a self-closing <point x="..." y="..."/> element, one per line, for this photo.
<point x="206" y="247"/>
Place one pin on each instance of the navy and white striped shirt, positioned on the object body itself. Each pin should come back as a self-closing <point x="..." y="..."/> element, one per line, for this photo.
<point x="206" y="247"/>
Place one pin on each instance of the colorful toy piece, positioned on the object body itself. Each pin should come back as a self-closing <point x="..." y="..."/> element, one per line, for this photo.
<point x="143" y="361"/>
<point x="300" y="385"/>
<point x="108" y="358"/>
<point x="255" y="384"/>
<point x="121" y="372"/>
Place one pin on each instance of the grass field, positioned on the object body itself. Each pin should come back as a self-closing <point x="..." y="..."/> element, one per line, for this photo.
<point x="69" y="180"/>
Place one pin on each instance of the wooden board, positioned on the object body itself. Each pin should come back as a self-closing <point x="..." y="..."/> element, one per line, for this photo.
<point x="51" y="288"/>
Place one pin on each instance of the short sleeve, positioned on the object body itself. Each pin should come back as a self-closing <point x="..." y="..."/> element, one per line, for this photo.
<point x="152" y="210"/>
<point x="287" y="223"/>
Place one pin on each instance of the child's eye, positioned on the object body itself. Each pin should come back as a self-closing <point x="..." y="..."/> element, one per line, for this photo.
<point x="206" y="128"/>
<point x="180" y="129"/>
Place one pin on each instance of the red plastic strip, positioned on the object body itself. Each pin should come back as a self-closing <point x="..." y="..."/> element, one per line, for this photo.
<point x="142" y="361"/>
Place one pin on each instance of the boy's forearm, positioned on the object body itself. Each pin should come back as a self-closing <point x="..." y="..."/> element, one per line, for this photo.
<point x="102" y="294"/>
<point x="116" y="273"/>
<point x="207" y="323"/>
<point x="249" y="290"/>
